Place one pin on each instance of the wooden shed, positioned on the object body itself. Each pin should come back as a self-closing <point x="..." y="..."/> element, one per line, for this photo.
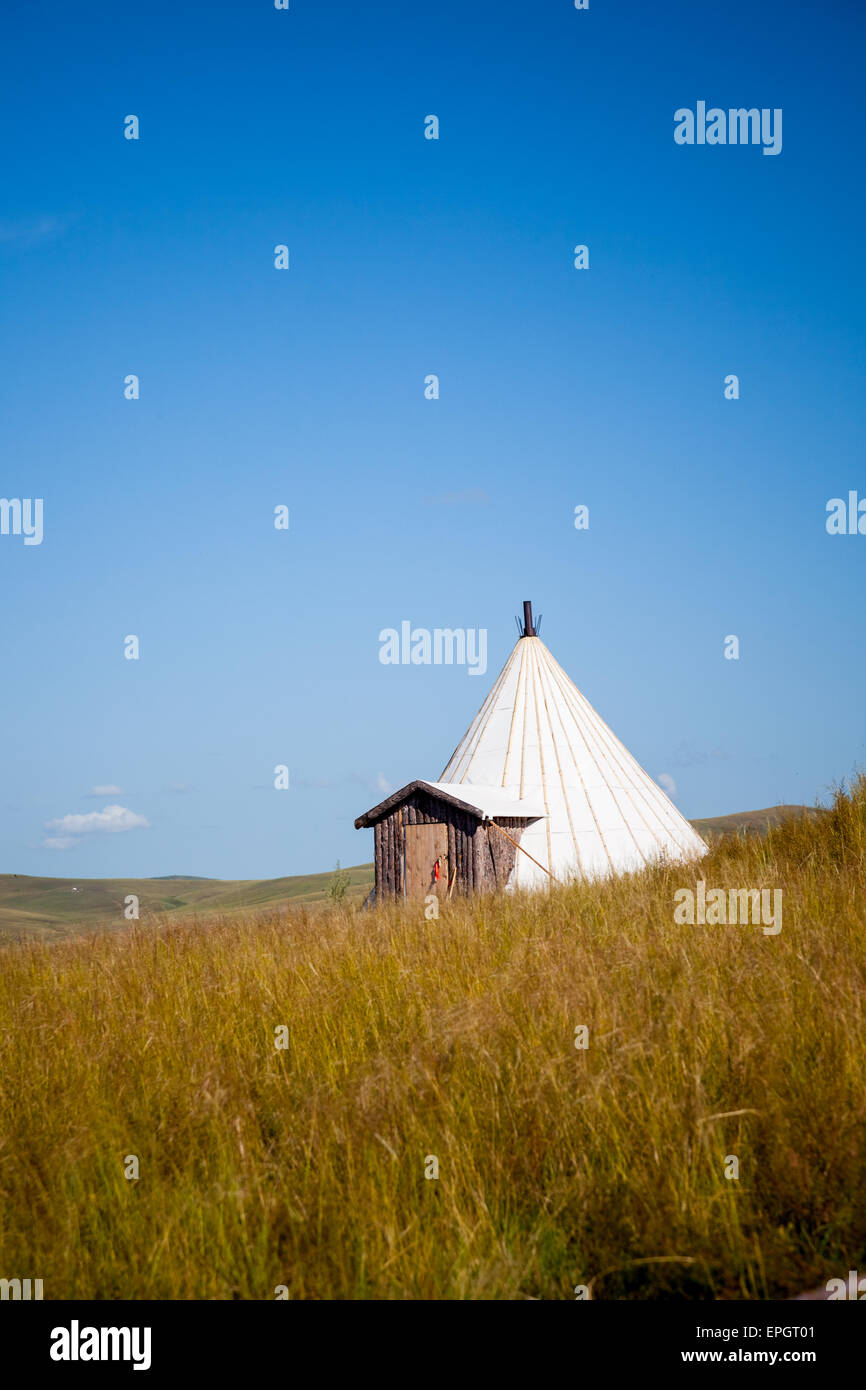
<point x="446" y="838"/>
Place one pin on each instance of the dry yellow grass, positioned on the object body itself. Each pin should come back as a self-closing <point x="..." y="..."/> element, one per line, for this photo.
<point x="452" y="1038"/>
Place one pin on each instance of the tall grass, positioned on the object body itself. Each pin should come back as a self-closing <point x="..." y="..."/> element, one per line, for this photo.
<point x="452" y="1039"/>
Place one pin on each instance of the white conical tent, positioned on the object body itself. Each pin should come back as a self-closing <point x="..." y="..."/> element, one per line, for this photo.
<point x="539" y="738"/>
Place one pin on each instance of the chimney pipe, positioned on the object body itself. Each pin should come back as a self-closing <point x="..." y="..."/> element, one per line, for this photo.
<point x="528" y="629"/>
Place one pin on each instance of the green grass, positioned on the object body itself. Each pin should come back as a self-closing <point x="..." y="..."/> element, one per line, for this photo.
<point x="451" y="1038"/>
<point x="53" y="908"/>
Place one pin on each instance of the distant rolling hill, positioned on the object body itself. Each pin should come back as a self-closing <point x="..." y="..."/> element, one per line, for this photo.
<point x="752" y="821"/>
<point x="54" y="907"/>
<point x="50" y="908"/>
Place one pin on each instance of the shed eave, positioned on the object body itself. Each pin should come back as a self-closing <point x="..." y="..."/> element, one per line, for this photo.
<point x="506" y="807"/>
<point x="377" y="813"/>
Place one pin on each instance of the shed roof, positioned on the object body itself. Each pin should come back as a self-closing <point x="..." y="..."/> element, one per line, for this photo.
<point x="483" y="802"/>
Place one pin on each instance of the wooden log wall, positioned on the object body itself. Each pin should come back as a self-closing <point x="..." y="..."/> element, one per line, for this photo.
<point x="483" y="857"/>
<point x="423" y="809"/>
<point x="501" y="853"/>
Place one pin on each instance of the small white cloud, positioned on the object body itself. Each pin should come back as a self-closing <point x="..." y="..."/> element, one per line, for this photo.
<point x="691" y="755"/>
<point x="473" y="497"/>
<point x="667" y="784"/>
<point x="378" y="785"/>
<point x="106" y="791"/>
<point x="31" y="231"/>
<point x="68" y="830"/>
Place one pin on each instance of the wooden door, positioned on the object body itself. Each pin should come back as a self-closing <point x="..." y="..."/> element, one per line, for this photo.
<point x="425" y="844"/>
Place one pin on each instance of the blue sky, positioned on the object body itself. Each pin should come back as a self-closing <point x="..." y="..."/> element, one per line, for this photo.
<point x="305" y="387"/>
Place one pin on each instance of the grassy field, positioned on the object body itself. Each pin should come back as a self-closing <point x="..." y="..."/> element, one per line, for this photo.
<point x="52" y="908"/>
<point x="452" y="1039"/>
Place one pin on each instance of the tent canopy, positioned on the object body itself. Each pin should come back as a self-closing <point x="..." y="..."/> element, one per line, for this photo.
<point x="537" y="738"/>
